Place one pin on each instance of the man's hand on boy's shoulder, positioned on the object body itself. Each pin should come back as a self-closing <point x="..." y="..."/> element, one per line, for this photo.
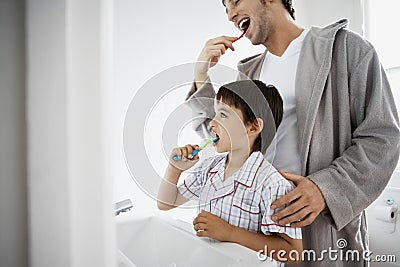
<point x="304" y="203"/>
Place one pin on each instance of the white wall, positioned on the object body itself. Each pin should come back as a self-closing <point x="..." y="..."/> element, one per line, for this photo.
<point x="320" y="13"/>
<point x="68" y="123"/>
<point x="13" y="198"/>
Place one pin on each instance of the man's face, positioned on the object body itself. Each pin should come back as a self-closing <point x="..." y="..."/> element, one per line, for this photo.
<point x="252" y="16"/>
<point x="229" y="127"/>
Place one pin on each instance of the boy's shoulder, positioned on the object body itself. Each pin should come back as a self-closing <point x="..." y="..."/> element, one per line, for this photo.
<point x="269" y="176"/>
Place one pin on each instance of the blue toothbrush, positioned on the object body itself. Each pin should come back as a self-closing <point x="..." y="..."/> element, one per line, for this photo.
<point x="196" y="151"/>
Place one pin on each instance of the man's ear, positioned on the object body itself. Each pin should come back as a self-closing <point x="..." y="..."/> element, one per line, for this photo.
<point x="256" y="127"/>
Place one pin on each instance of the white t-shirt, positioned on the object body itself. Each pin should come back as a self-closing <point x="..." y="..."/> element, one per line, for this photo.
<point x="283" y="153"/>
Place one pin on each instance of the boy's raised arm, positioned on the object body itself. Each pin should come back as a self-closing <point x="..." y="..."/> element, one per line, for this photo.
<point x="168" y="194"/>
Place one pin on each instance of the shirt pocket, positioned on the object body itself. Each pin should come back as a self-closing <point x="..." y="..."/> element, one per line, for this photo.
<point x="247" y="216"/>
<point x="247" y="208"/>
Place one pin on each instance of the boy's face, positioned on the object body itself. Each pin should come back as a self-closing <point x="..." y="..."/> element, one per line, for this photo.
<point x="229" y="127"/>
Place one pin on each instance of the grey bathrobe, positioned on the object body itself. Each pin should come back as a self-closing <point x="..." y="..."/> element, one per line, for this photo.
<point x="348" y="134"/>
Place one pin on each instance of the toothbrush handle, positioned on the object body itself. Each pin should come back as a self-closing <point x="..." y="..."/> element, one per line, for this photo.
<point x="194" y="153"/>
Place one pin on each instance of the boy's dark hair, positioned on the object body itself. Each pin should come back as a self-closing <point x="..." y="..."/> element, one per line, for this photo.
<point x="287" y="3"/>
<point x="255" y="100"/>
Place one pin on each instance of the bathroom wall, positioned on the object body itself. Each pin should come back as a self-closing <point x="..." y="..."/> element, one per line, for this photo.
<point x="319" y="13"/>
<point x="68" y="133"/>
<point x="384" y="232"/>
<point x="13" y="198"/>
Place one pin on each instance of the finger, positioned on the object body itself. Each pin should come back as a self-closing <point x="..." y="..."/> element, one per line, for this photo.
<point x="221" y="47"/>
<point x="184" y="153"/>
<point x="214" y="61"/>
<point x="203" y="213"/>
<point x="214" y="54"/>
<point x="202" y="233"/>
<point x="199" y="220"/>
<point x="286" y="199"/>
<point x="296" y="217"/>
<point x="309" y="219"/>
<point x="226" y="40"/>
<point x="289" y="210"/>
<point x="177" y="152"/>
<point x="189" y="150"/>
<point x="200" y="226"/>
<point x="196" y="157"/>
<point x="295" y="178"/>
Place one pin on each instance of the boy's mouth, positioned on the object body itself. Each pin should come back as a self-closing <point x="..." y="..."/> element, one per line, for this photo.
<point x="216" y="142"/>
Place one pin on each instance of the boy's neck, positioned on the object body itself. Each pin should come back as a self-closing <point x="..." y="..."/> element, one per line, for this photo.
<point x="235" y="161"/>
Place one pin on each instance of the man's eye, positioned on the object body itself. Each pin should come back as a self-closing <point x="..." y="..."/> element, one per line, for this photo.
<point x="237" y="2"/>
<point x="223" y="115"/>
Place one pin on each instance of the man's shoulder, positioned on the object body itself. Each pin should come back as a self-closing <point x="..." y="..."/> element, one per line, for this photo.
<point x="339" y="33"/>
<point x="251" y="59"/>
<point x="249" y="64"/>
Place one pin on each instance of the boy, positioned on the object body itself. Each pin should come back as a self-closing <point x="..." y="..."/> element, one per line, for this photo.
<point x="235" y="189"/>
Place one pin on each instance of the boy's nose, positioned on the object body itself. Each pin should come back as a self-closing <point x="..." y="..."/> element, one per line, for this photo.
<point x="213" y="123"/>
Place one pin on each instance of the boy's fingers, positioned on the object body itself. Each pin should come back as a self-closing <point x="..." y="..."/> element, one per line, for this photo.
<point x="199" y="220"/>
<point x="189" y="150"/>
<point x="203" y="233"/>
<point x="177" y="152"/>
<point x="200" y="226"/>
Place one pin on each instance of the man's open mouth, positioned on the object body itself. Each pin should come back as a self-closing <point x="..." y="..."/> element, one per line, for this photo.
<point x="244" y="24"/>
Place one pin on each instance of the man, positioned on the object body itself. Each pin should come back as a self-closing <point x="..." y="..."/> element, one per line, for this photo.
<point x="339" y="138"/>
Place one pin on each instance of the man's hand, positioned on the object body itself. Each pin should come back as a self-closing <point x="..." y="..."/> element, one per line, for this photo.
<point x="209" y="56"/>
<point x="305" y="202"/>
<point x="209" y="225"/>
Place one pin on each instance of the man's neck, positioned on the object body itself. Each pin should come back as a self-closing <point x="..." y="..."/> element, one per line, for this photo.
<point x="281" y="36"/>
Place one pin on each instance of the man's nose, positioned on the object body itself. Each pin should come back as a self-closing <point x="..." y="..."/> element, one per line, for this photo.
<point x="232" y="14"/>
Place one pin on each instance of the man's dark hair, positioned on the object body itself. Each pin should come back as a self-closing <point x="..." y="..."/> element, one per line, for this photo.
<point x="287" y="3"/>
<point x="255" y="100"/>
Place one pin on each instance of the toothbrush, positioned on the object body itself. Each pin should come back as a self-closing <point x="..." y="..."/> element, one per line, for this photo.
<point x="196" y="151"/>
<point x="240" y="37"/>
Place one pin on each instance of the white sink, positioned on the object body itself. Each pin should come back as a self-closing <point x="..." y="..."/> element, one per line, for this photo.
<point x="164" y="241"/>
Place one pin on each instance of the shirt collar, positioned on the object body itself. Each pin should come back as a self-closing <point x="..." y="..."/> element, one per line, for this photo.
<point x="245" y="175"/>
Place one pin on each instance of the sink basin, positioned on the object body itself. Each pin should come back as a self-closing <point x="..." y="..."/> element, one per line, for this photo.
<point x="166" y="241"/>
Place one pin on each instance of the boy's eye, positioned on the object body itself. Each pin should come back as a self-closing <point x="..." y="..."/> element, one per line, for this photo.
<point x="223" y="115"/>
<point x="237" y="2"/>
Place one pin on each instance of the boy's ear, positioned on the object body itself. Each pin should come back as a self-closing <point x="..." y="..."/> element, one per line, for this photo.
<point x="256" y="127"/>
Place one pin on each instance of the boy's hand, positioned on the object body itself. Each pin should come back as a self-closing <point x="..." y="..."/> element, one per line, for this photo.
<point x="185" y="155"/>
<point x="209" y="225"/>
